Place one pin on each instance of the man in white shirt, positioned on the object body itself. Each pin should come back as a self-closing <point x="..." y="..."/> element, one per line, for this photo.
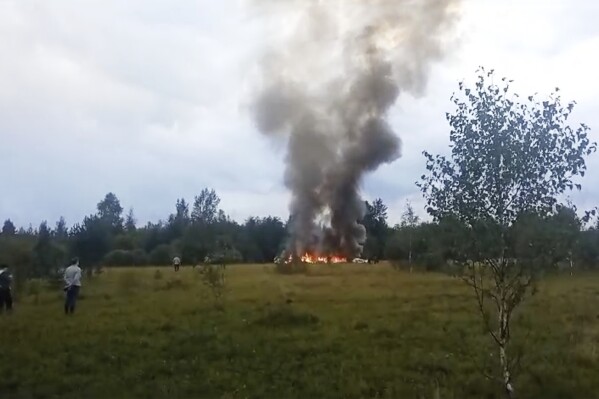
<point x="176" y="263"/>
<point x="72" y="280"/>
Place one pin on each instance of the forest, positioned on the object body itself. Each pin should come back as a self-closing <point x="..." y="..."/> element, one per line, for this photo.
<point x="200" y="228"/>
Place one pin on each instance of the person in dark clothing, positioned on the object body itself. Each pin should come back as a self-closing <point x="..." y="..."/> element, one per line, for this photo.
<point x="5" y="292"/>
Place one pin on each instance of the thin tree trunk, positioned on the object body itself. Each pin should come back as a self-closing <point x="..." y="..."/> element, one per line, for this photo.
<point x="504" y="325"/>
<point x="410" y="254"/>
<point x="571" y="264"/>
<point x="503" y="355"/>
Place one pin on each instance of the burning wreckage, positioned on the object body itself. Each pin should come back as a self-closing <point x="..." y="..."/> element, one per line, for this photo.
<point x="324" y="89"/>
<point x="310" y="258"/>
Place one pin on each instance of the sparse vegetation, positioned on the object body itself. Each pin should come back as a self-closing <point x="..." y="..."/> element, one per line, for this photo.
<point x="291" y="268"/>
<point x="285" y="316"/>
<point x="352" y="331"/>
<point x="213" y="278"/>
<point x="157" y="275"/>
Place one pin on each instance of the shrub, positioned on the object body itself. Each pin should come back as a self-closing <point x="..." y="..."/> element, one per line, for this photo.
<point x="140" y="257"/>
<point x="213" y="277"/>
<point x="432" y="261"/>
<point x="161" y="255"/>
<point x="121" y="257"/>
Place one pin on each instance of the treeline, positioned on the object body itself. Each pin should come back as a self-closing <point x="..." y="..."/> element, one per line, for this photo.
<point x="201" y="228"/>
<point x="193" y="231"/>
<point x="564" y="239"/>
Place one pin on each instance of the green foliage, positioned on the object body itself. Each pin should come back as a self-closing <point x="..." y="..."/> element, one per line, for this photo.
<point x="125" y="242"/>
<point x="119" y="257"/>
<point x="130" y="225"/>
<point x="48" y="256"/>
<point x="263" y="238"/>
<point x="179" y="222"/>
<point x="110" y="212"/>
<point x="196" y="243"/>
<point x="420" y="246"/>
<point x="510" y="160"/>
<point x="375" y="222"/>
<point x="224" y="256"/>
<point x="61" y="232"/>
<point x="91" y="240"/>
<point x="161" y="255"/>
<point x="213" y="277"/>
<point x="205" y="207"/>
<point x="508" y="155"/>
<point x="17" y="252"/>
<point x="587" y="249"/>
<point x="8" y="228"/>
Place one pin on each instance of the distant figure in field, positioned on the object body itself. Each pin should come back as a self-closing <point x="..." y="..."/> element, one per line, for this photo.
<point x="5" y="293"/>
<point x="72" y="280"/>
<point x="176" y="263"/>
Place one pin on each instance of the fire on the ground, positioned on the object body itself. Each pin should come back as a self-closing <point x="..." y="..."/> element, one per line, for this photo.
<point x="312" y="258"/>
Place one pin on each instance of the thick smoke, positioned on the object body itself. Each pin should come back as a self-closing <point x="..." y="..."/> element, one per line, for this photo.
<point x="327" y="82"/>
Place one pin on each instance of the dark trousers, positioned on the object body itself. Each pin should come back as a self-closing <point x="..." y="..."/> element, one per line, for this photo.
<point x="71" y="299"/>
<point x="5" y="299"/>
<point x="177" y="267"/>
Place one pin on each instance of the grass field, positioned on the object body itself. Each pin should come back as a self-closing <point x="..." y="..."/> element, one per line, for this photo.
<point x="352" y="331"/>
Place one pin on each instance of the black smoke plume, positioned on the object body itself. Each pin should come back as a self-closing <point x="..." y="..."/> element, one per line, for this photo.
<point x="332" y="71"/>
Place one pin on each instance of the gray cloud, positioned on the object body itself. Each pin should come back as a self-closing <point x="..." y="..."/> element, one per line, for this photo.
<point x="146" y="100"/>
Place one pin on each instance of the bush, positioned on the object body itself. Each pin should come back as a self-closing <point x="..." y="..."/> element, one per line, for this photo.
<point x="224" y="257"/>
<point x="140" y="257"/>
<point x="124" y="242"/>
<point x="161" y="255"/>
<point x="432" y="261"/>
<point x="213" y="277"/>
<point x="118" y="257"/>
<point x="121" y="257"/>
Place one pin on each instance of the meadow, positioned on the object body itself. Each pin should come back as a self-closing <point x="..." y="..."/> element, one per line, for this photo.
<point x="338" y="331"/>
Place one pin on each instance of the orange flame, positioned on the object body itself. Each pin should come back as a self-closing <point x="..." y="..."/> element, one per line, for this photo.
<point x="311" y="258"/>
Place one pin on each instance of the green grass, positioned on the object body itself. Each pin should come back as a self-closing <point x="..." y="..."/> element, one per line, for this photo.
<point x="352" y="331"/>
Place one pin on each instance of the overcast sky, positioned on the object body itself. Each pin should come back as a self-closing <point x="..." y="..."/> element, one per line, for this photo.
<point x="146" y="99"/>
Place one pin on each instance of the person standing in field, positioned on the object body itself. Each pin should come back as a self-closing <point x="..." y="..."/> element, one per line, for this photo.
<point x="72" y="280"/>
<point x="5" y="292"/>
<point x="176" y="263"/>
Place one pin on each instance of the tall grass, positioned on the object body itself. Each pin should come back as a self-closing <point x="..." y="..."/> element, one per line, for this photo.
<point x="340" y="331"/>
